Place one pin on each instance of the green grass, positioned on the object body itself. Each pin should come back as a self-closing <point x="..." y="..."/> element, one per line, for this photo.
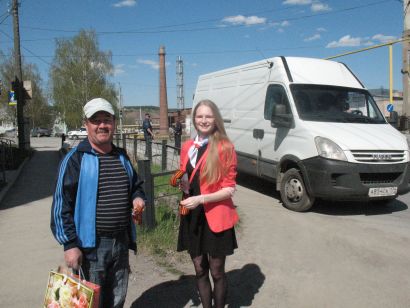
<point x="161" y="241"/>
<point x="162" y="238"/>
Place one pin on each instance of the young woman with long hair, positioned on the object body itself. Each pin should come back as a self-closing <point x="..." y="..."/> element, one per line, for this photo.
<point x="207" y="231"/>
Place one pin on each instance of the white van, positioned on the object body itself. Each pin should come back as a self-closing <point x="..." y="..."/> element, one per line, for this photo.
<point x="310" y="125"/>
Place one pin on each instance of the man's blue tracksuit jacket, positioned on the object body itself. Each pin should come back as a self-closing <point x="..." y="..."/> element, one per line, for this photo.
<point x="73" y="213"/>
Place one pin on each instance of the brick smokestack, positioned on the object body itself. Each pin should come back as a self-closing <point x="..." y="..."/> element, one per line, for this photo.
<point x="163" y="102"/>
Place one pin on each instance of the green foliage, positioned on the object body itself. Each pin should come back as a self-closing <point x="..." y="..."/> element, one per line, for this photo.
<point x="162" y="239"/>
<point x="80" y="73"/>
<point x="37" y="109"/>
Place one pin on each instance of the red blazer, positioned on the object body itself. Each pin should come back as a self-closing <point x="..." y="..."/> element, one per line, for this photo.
<point x="220" y="215"/>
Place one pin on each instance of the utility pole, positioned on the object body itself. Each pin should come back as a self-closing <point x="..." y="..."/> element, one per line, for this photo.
<point x="406" y="62"/>
<point x="180" y="83"/>
<point x="18" y="82"/>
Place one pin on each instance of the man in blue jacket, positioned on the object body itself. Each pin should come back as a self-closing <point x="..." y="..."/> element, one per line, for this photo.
<point x="97" y="191"/>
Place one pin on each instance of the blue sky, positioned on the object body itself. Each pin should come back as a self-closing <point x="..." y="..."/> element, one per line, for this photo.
<point x="210" y="35"/>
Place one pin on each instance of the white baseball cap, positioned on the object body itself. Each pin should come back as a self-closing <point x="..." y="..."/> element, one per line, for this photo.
<point x="95" y="105"/>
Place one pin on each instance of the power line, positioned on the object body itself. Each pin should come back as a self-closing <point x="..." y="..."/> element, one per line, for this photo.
<point x="29" y="51"/>
<point x="197" y="29"/>
<point x="4" y="19"/>
<point x="152" y="30"/>
<point x="208" y="52"/>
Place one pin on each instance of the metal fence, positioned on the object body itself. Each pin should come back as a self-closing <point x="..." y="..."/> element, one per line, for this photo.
<point x="6" y="158"/>
<point x="156" y="160"/>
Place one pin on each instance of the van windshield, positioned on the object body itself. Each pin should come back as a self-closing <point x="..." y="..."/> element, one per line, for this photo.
<point x="335" y="104"/>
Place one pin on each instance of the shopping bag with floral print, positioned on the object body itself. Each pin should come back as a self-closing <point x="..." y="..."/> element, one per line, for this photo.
<point x="68" y="290"/>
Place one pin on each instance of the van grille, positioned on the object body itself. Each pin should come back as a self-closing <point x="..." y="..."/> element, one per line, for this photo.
<point x="378" y="156"/>
<point x="379" y="178"/>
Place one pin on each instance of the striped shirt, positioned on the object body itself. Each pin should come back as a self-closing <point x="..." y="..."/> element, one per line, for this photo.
<point x="113" y="206"/>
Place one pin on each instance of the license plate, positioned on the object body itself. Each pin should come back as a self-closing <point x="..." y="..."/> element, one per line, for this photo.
<point x="382" y="191"/>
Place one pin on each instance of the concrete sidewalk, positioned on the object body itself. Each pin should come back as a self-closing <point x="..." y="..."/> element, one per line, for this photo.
<point x="28" y="251"/>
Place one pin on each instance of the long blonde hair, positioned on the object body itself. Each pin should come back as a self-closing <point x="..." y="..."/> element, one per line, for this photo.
<point x="214" y="169"/>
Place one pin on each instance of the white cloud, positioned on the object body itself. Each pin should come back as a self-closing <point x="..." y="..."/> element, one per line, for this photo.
<point x="285" y="23"/>
<point x="367" y="43"/>
<point x="383" y="38"/>
<point x="312" y="38"/>
<point x="124" y="3"/>
<point x="297" y="2"/>
<point x="346" y="41"/>
<point x="243" y="20"/>
<point x="119" y="69"/>
<point x="321" y="30"/>
<point x="153" y="64"/>
<point x="320" y="7"/>
<point x="278" y="25"/>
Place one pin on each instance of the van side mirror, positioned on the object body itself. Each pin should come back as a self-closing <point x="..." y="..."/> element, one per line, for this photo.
<point x="280" y="118"/>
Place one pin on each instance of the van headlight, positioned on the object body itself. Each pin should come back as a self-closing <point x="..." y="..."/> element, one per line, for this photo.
<point x="328" y="149"/>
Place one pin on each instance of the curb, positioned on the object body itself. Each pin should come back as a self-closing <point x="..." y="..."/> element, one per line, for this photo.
<point x="13" y="177"/>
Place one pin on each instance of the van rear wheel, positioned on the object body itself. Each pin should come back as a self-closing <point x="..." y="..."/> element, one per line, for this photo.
<point x="293" y="192"/>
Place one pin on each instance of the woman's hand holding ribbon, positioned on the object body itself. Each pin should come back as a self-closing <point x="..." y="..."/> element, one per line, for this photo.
<point x="192" y="202"/>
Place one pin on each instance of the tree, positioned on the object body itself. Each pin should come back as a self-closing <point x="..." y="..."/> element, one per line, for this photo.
<point x="37" y="108"/>
<point x="79" y="73"/>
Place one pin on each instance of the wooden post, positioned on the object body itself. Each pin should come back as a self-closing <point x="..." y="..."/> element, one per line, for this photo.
<point x="164" y="155"/>
<point x="148" y="144"/>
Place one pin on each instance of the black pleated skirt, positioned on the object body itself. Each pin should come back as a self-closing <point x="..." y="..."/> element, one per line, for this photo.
<point x="195" y="236"/>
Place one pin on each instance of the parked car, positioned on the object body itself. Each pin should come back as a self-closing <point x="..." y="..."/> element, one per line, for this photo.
<point x="77" y="133"/>
<point x="40" y="132"/>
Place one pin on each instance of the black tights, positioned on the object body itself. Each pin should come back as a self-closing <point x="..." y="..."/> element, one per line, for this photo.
<point x="216" y="265"/>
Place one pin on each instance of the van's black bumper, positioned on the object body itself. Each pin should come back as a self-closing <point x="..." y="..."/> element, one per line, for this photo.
<point x="339" y="180"/>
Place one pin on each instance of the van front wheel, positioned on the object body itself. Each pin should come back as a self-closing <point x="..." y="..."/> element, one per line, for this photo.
<point x="293" y="192"/>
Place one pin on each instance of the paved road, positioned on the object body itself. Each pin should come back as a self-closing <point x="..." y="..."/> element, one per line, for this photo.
<point x="337" y="255"/>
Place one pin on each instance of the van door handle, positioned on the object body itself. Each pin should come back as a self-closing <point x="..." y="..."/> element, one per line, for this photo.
<point x="258" y="133"/>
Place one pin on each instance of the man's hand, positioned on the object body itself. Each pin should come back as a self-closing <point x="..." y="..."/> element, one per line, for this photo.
<point x="73" y="258"/>
<point x="138" y="205"/>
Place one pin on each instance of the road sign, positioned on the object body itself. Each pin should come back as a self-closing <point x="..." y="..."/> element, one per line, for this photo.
<point x="390" y="107"/>
<point x="12" y="99"/>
